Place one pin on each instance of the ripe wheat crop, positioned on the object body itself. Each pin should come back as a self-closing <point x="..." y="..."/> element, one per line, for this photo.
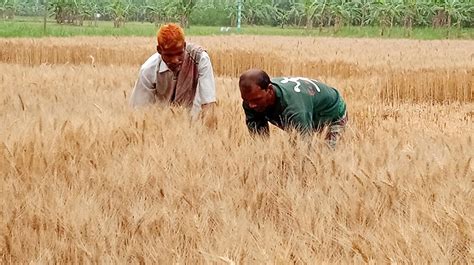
<point x="85" y="179"/>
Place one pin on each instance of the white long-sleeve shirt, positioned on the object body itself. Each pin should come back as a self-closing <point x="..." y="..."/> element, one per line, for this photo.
<point x="144" y="90"/>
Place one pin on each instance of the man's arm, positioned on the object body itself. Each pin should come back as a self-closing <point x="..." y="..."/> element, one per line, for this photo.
<point x="256" y="122"/>
<point x="206" y="93"/>
<point x="206" y="83"/>
<point x="144" y="89"/>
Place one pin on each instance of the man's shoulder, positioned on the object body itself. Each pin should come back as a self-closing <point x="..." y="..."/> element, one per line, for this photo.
<point x="292" y="92"/>
<point x="280" y="83"/>
<point x="204" y="62"/>
<point x="151" y="63"/>
<point x="204" y="57"/>
<point x="297" y="86"/>
<point x="291" y="81"/>
<point x="194" y="46"/>
<point x="198" y="53"/>
<point x="281" y="87"/>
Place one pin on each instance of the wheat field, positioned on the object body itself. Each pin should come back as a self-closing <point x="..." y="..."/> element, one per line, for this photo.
<point x="86" y="179"/>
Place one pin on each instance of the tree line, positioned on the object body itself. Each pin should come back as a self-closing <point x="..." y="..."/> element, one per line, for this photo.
<point x="296" y="13"/>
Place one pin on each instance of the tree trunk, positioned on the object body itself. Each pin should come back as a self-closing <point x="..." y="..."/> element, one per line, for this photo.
<point x="184" y="21"/>
<point x="309" y="22"/>
<point x="45" y="17"/>
<point x="408" y="24"/>
<point x="440" y="19"/>
<point x="118" y="22"/>
<point x="337" y="24"/>
<point x="459" y="29"/>
<point x="449" y="26"/>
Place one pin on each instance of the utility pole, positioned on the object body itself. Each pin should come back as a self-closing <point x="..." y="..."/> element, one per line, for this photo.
<point x="239" y="13"/>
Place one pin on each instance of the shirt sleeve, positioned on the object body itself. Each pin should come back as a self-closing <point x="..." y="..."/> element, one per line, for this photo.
<point x="256" y="122"/>
<point x="144" y="90"/>
<point x="206" y="84"/>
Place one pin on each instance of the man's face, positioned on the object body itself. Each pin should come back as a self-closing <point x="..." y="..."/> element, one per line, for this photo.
<point x="257" y="98"/>
<point x="173" y="56"/>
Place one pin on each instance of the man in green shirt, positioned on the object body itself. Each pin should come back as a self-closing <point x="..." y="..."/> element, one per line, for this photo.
<point x="297" y="103"/>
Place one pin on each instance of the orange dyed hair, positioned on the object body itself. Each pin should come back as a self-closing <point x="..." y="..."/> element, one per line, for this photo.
<point x="170" y="35"/>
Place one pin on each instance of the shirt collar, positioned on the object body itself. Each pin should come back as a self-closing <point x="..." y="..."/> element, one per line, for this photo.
<point x="277" y="89"/>
<point x="278" y="107"/>
<point x="163" y="67"/>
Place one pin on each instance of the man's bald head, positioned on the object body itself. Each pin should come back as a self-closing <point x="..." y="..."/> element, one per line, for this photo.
<point x="256" y="90"/>
<point x="254" y="77"/>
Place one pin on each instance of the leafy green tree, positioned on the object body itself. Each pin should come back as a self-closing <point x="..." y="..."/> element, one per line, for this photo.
<point x="385" y="13"/>
<point x="314" y="9"/>
<point x="8" y="8"/>
<point x="295" y="12"/>
<point x="340" y="11"/>
<point x="213" y="13"/>
<point x="231" y="11"/>
<point x="61" y="9"/>
<point x="281" y="16"/>
<point x="363" y="10"/>
<point x="118" y="12"/>
<point x="157" y="11"/>
<point x="255" y="11"/>
<point x="182" y="9"/>
<point x="450" y="14"/>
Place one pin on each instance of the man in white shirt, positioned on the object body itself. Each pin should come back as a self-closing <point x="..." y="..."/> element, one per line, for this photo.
<point x="179" y="73"/>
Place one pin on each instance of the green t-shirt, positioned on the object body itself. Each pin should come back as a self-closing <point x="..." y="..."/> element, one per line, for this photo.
<point x="304" y="104"/>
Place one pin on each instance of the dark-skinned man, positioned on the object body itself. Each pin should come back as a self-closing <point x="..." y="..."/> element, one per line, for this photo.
<point x="179" y="73"/>
<point x="300" y="103"/>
